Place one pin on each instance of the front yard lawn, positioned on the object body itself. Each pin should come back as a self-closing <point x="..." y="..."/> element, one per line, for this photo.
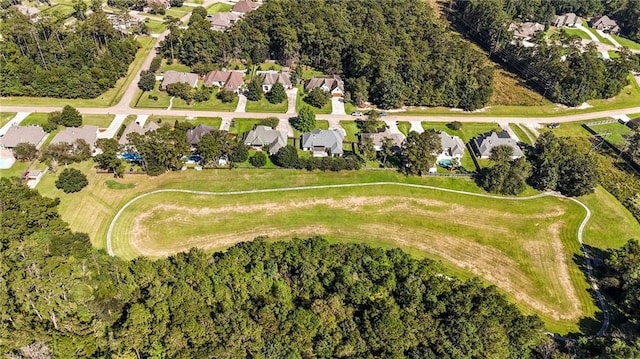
<point x="469" y="129"/>
<point x="617" y="132"/>
<point x="6" y="117"/>
<point x="404" y="127"/>
<point x="35" y="118"/>
<point x="265" y="106"/>
<point x="325" y="110"/>
<point x="241" y="125"/>
<point x="629" y="44"/>
<point x="102" y="121"/>
<point x="218" y="7"/>
<point x="209" y="121"/>
<point x="351" y="128"/>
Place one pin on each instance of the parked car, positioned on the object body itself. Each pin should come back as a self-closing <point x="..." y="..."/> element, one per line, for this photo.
<point x="356" y="113"/>
<point x="382" y="114"/>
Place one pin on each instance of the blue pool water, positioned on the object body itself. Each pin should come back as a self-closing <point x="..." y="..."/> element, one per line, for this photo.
<point x="131" y="157"/>
<point x="445" y="163"/>
<point x="6" y="163"/>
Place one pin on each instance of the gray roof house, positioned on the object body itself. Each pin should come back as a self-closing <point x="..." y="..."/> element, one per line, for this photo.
<point x="569" y="19"/>
<point x="222" y="20"/>
<point x="173" y="77"/>
<point x="525" y="30"/>
<point x="332" y="84"/>
<point x="23" y="134"/>
<point x="88" y="133"/>
<point x="195" y="134"/>
<point x="244" y="6"/>
<point x="323" y="143"/>
<point x="270" y="78"/>
<point x="379" y="137"/>
<point x="134" y="127"/>
<point x="452" y="147"/>
<point x="604" y="23"/>
<point x="484" y="144"/>
<point x="266" y="136"/>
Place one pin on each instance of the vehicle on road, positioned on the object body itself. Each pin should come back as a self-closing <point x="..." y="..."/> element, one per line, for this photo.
<point x="356" y="113"/>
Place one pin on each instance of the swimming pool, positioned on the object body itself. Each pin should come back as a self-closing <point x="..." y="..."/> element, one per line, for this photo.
<point x="445" y="163"/>
<point x="6" y="162"/>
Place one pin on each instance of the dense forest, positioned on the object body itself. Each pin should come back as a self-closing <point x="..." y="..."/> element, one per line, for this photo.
<point x="43" y="58"/>
<point x="296" y="299"/>
<point x="563" y="72"/>
<point x="392" y="53"/>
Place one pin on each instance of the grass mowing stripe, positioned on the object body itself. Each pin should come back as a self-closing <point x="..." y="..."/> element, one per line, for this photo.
<point x="520" y="133"/>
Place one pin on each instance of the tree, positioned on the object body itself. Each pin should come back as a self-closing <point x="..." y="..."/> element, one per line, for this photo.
<point x="177" y="3"/>
<point x="277" y="93"/>
<point x="367" y="149"/>
<point x="108" y="158"/>
<point x="239" y="153"/>
<point x="286" y="157"/>
<point x="501" y="154"/>
<point x="306" y="120"/>
<point x="71" y="180"/>
<point x="419" y="151"/>
<point x="387" y="151"/>
<point x="79" y="9"/>
<point x="70" y="117"/>
<point x="226" y="96"/>
<point x="507" y="177"/>
<point x="371" y="124"/>
<point x="25" y="151"/>
<point x="254" y="90"/>
<point x="53" y="120"/>
<point x="202" y="94"/>
<point x="215" y="145"/>
<point x="317" y="97"/>
<point x="181" y="90"/>
<point x="155" y="64"/>
<point x="259" y="159"/>
<point x="147" y="81"/>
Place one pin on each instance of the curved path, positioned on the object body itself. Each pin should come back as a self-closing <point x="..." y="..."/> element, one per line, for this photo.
<point x="583" y="224"/>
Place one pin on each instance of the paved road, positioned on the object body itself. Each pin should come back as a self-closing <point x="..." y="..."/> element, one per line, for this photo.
<point x="601" y="300"/>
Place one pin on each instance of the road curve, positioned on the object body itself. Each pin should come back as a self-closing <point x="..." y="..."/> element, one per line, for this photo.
<point x="583" y="224"/>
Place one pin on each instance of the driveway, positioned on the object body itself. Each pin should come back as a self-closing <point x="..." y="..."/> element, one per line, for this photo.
<point x="111" y="131"/>
<point x="14" y="121"/>
<point x="416" y="126"/>
<point x="242" y="103"/>
<point x="609" y="37"/>
<point x="225" y="124"/>
<point x="142" y="120"/>
<point x="392" y="126"/>
<point x="292" y="94"/>
<point x="337" y="106"/>
<point x="284" y="125"/>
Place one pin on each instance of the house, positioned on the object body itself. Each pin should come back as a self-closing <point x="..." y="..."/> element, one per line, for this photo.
<point x="222" y="20"/>
<point x="195" y="134"/>
<point x="332" y="84"/>
<point x="323" y="143"/>
<point x="270" y="78"/>
<point x="229" y="80"/>
<point x="134" y="127"/>
<point x="604" y="23"/>
<point x="525" y="30"/>
<point x="484" y="144"/>
<point x="379" y="138"/>
<point x="569" y="19"/>
<point x="88" y="133"/>
<point x="28" y="10"/>
<point x="149" y="4"/>
<point x="34" y="135"/>
<point x="174" y="77"/>
<point x="266" y="136"/>
<point x="452" y="147"/>
<point x="244" y="6"/>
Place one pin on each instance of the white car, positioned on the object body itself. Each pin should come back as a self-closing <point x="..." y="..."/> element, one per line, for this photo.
<point x="356" y="113"/>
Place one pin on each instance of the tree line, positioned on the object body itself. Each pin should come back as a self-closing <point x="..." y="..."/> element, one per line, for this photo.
<point x="388" y="52"/>
<point x="301" y="298"/>
<point x="42" y="58"/>
<point x="562" y="72"/>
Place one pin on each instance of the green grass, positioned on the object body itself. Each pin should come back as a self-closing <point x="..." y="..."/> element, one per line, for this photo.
<point x="108" y="98"/>
<point x="102" y="121"/>
<point x="242" y="125"/>
<point x="617" y="132"/>
<point x="349" y="108"/>
<point x="155" y="26"/>
<point x="6" y="117"/>
<point x="213" y="104"/>
<point x="325" y="110"/>
<point x="213" y="122"/>
<point x="16" y="170"/>
<point x="577" y="32"/>
<point x="175" y="66"/>
<point x="522" y="135"/>
<point x="351" y="129"/>
<point x="570" y="129"/>
<point x="265" y="106"/>
<point x="593" y="31"/>
<point x="611" y="225"/>
<point x="35" y="118"/>
<point x="178" y="12"/>
<point x="322" y="124"/>
<point x="218" y="7"/>
<point x="629" y="44"/>
<point x="143" y="100"/>
<point x="613" y="54"/>
<point x="309" y="72"/>
<point x="59" y="11"/>
<point x="404" y="127"/>
<point x="469" y="129"/>
<point x="117" y="185"/>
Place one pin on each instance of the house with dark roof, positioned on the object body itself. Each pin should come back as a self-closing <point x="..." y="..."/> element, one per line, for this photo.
<point x="262" y="136"/>
<point x="34" y="135"/>
<point x="484" y="144"/>
<point x="174" y="77"/>
<point x="270" y="78"/>
<point x="332" y="84"/>
<point x="88" y="133"/>
<point x="605" y="24"/>
<point x="452" y="147"/>
<point x="379" y="138"/>
<point x="229" y="80"/>
<point x="134" y="127"/>
<point x="244" y="6"/>
<point x="525" y="30"/>
<point x="323" y="143"/>
<point x="222" y="20"/>
<point x="195" y="134"/>
<point x="569" y="19"/>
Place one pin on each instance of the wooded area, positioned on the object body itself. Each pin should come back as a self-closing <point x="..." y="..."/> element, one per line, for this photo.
<point x="392" y="53"/>
<point x="43" y="58"/>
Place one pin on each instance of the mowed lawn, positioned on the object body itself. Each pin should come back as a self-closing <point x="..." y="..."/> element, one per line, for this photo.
<point x="615" y="132"/>
<point x="526" y="248"/>
<point x="6" y="117"/>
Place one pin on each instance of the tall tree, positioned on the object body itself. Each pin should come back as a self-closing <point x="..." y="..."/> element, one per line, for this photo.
<point x="306" y="120"/>
<point x="147" y="81"/>
<point x="70" y="117"/>
<point x="419" y="151"/>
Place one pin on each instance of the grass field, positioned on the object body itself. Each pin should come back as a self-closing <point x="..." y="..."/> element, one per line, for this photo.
<point x="35" y="118"/>
<point x="404" y="127"/>
<point x="265" y="106"/>
<point x="175" y="66"/>
<point x="218" y="7"/>
<point x="509" y="90"/>
<point x="155" y="26"/>
<point x="577" y="32"/>
<point x="520" y="132"/>
<point x="102" y="121"/>
<point x="6" y="117"/>
<point x="468" y="131"/>
<point x="242" y="125"/>
<point x="617" y="132"/>
<point x="473" y="236"/>
<point x="352" y="130"/>
<point x="629" y="44"/>
<point x="109" y="98"/>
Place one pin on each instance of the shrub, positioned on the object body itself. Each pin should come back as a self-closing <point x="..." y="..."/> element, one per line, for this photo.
<point x="317" y="97"/>
<point x="70" y="117"/>
<point x="155" y="64"/>
<point x="226" y="96"/>
<point x="259" y="159"/>
<point x="71" y="180"/>
<point x="277" y="94"/>
<point x="455" y="125"/>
